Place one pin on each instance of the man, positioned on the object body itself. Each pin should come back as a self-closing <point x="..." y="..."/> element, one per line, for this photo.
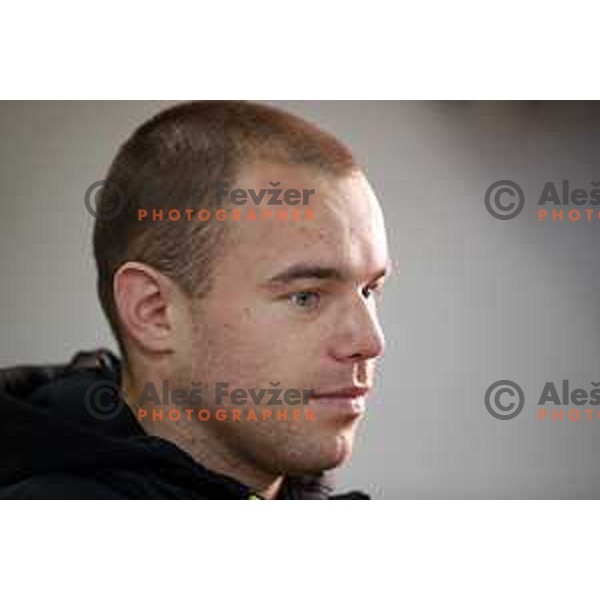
<point x="240" y="252"/>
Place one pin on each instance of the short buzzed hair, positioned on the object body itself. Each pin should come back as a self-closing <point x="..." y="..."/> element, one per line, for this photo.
<point x="185" y="151"/>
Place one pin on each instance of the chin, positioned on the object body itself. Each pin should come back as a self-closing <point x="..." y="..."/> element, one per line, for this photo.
<point x="323" y="455"/>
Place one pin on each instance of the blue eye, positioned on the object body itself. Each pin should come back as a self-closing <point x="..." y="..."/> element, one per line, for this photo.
<point x="374" y="289"/>
<point x="306" y="300"/>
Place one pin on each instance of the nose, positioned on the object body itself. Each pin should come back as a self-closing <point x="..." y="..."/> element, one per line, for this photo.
<point x="358" y="335"/>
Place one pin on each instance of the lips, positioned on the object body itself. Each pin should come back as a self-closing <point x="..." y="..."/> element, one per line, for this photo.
<point x="342" y="403"/>
<point x="343" y="393"/>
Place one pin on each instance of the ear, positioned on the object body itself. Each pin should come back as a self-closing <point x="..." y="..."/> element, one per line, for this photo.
<point x="147" y="302"/>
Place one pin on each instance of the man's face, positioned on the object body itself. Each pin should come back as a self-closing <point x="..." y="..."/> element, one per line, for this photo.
<point x="295" y="304"/>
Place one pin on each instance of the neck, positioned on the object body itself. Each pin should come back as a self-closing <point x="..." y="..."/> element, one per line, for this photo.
<point x="205" y="447"/>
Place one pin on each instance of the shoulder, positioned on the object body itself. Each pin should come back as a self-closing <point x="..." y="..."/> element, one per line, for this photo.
<point x="61" y="486"/>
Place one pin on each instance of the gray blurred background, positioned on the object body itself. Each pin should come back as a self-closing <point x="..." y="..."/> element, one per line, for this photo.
<point x="474" y="300"/>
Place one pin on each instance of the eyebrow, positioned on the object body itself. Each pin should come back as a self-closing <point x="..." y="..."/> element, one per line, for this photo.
<point x="316" y="271"/>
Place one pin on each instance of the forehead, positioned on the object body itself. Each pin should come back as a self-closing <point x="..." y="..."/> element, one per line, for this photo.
<point x="346" y="230"/>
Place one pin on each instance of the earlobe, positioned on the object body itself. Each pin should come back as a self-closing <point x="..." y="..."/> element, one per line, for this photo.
<point x="142" y="298"/>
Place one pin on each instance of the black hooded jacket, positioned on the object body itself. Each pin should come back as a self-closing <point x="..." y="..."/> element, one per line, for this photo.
<point x="55" y="445"/>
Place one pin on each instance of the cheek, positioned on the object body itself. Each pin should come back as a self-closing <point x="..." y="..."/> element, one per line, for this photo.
<point x="236" y="348"/>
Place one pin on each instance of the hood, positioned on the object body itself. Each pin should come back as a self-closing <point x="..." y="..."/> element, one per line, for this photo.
<point x="48" y="426"/>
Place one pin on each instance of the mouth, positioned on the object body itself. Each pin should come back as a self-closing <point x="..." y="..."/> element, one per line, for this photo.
<point x="350" y="400"/>
<point x="344" y="393"/>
